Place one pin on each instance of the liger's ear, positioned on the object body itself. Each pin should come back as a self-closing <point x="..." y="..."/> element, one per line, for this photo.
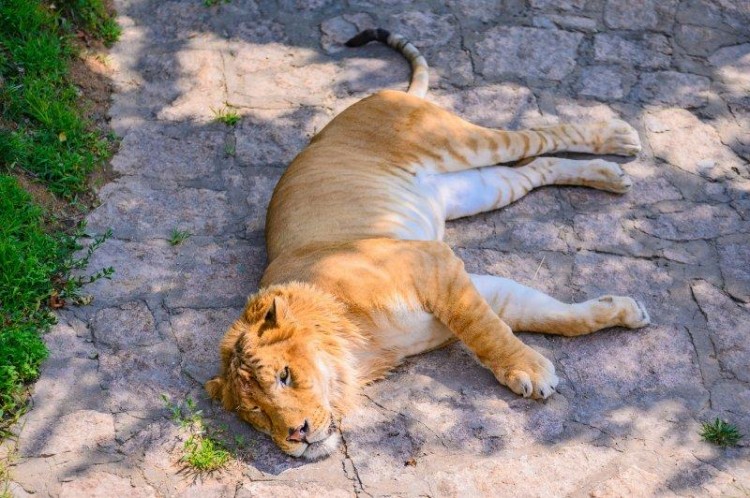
<point x="276" y="314"/>
<point x="215" y="388"/>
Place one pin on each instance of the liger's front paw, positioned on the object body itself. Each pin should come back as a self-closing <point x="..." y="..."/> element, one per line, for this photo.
<point x="527" y="373"/>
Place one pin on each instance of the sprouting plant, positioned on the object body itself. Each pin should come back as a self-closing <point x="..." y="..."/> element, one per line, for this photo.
<point x="203" y="450"/>
<point x="204" y="454"/>
<point x="720" y="433"/>
<point x="227" y="115"/>
<point x="177" y="237"/>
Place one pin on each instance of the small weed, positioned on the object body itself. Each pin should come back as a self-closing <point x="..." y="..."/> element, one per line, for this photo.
<point x="240" y="442"/>
<point x="177" y="237"/>
<point x="71" y="286"/>
<point x="720" y="433"/>
<point x="211" y="3"/>
<point x="203" y="450"/>
<point x="204" y="454"/>
<point x="230" y="150"/>
<point x="228" y="116"/>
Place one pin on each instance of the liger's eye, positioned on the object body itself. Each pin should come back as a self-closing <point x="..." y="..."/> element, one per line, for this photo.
<point x="285" y="377"/>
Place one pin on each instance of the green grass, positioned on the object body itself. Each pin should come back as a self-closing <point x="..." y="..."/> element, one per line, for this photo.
<point x="211" y="3"/>
<point x="92" y="16"/>
<point x="45" y="139"/>
<point x="720" y="433"/>
<point x="177" y="237"/>
<point x="203" y="450"/>
<point x="227" y="115"/>
<point x="204" y="454"/>
<point x="35" y="269"/>
<point x="48" y="139"/>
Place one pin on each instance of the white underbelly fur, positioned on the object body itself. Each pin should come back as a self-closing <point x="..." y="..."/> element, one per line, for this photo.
<point x="410" y="331"/>
<point x="418" y="210"/>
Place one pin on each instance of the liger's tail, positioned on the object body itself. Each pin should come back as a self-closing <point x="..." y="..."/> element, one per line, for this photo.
<point x="419" y="71"/>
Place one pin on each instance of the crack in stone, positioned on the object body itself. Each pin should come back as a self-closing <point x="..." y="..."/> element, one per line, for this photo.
<point x="407" y="417"/>
<point x="357" y="483"/>
<point x="700" y="365"/>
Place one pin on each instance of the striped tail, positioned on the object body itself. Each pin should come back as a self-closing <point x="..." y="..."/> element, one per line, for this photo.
<point x="419" y="74"/>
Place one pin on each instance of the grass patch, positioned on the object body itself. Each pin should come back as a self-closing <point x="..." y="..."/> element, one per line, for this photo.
<point x="92" y="16"/>
<point x="46" y="136"/>
<point x="720" y="433"/>
<point x="204" y="454"/>
<point x="47" y="148"/>
<point x="36" y="274"/>
<point x="177" y="237"/>
<point x="204" y="450"/>
<point x="227" y="115"/>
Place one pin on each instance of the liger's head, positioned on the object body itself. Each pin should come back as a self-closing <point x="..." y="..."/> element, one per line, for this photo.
<point x="287" y="368"/>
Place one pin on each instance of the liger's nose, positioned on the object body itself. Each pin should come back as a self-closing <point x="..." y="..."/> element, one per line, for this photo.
<point x="298" y="434"/>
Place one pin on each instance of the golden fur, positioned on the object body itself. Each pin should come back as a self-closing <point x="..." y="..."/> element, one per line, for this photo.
<point x="358" y="277"/>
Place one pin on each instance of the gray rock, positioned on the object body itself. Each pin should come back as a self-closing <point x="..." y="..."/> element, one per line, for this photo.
<point x="673" y="88"/>
<point x="608" y="232"/>
<point x="701" y="40"/>
<point x="731" y="65"/>
<point x="559" y="4"/>
<point x="170" y="155"/>
<point x="210" y="490"/>
<point x="127" y="326"/>
<point x="198" y="334"/>
<point x="505" y="106"/>
<point x="77" y="432"/>
<point x="577" y="23"/>
<point x="336" y="31"/>
<point x="290" y="490"/>
<point x="274" y="137"/>
<point x="734" y="253"/>
<point x="728" y="323"/>
<point x="639" y="14"/>
<point x="524" y="53"/>
<point x="423" y="29"/>
<point x="707" y="157"/>
<point x="602" y="82"/>
<point x="136" y="210"/>
<point x="651" y="51"/>
<point x="104" y="485"/>
<point x="692" y="222"/>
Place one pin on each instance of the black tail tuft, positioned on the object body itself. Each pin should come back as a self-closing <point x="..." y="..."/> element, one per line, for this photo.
<point x="367" y="36"/>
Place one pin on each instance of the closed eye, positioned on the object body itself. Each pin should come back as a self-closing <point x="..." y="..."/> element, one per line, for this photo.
<point x="285" y="377"/>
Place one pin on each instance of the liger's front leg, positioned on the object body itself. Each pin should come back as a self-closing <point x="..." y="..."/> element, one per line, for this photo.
<point x="451" y="296"/>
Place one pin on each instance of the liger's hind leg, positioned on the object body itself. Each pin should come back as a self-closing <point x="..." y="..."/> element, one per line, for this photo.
<point x="452" y="144"/>
<point x="465" y="193"/>
<point x="527" y="310"/>
<point x="480" y="147"/>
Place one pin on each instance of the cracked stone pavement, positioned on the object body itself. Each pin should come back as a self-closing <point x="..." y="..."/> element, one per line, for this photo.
<point x="627" y="416"/>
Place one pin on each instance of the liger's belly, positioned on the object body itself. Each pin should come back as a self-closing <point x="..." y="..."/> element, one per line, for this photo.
<point x="409" y="332"/>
